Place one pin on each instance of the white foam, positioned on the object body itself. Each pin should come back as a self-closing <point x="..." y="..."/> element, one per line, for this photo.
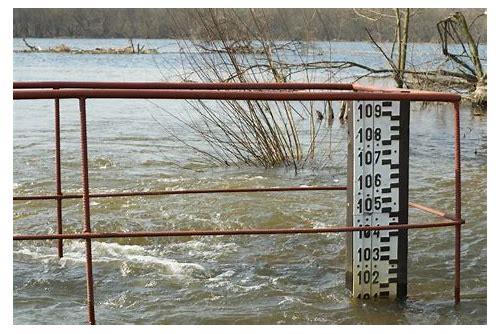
<point x="172" y="266"/>
<point x="172" y="180"/>
<point x="197" y="247"/>
<point x="251" y="287"/>
<point x="258" y="177"/>
<point x="222" y="276"/>
<point x="74" y="252"/>
<point x="287" y="300"/>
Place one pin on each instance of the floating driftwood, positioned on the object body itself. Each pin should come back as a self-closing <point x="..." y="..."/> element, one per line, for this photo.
<point x="63" y="48"/>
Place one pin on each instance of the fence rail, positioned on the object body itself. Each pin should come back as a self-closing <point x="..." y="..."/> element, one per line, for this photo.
<point x="216" y="91"/>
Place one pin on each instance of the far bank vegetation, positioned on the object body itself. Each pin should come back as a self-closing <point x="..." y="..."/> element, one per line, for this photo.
<point x="278" y="45"/>
<point x="63" y="48"/>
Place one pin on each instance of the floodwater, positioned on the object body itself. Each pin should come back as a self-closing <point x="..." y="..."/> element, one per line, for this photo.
<point x="286" y="279"/>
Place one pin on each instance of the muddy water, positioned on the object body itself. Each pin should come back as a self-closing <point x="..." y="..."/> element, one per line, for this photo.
<point x="297" y="279"/>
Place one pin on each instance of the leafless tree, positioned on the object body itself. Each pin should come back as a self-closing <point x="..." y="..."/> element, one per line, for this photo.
<point x="465" y="55"/>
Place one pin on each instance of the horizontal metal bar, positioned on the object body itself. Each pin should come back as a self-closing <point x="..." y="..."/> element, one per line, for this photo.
<point x="180" y="85"/>
<point x="431" y="210"/>
<point x="267" y="95"/>
<point x="140" y="234"/>
<point x="179" y="192"/>
<point x="367" y="88"/>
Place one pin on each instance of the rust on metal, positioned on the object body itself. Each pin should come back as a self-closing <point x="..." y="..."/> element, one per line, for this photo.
<point x="432" y="210"/>
<point x="57" y="130"/>
<point x="182" y="85"/>
<point x="458" y="201"/>
<point x="231" y="95"/>
<point x="86" y="211"/>
<point x="142" y="234"/>
<point x="218" y="91"/>
<point x="180" y="192"/>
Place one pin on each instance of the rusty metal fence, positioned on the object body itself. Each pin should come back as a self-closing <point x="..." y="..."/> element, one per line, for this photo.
<point x="82" y="91"/>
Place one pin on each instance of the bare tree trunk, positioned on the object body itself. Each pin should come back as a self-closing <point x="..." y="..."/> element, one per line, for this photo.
<point x="31" y="47"/>
<point x="402" y="36"/>
<point x="471" y="44"/>
<point x="131" y="44"/>
<point x="456" y="29"/>
<point x="398" y="66"/>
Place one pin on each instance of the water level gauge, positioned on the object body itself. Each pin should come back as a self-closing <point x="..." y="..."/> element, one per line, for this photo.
<point x="377" y="196"/>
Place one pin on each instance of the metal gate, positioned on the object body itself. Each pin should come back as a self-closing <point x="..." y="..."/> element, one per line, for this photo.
<point x="82" y="91"/>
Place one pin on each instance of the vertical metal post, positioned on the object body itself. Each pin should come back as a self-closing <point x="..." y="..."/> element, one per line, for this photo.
<point x="458" y="201"/>
<point x="57" y="129"/>
<point x="86" y="212"/>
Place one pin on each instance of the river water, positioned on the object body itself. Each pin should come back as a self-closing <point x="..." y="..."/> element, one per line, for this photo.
<point x="288" y="279"/>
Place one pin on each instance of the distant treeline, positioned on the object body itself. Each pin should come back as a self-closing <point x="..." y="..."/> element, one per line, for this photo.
<point x="285" y="24"/>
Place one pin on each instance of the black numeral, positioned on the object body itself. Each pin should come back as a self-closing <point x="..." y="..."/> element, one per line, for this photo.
<point x="366" y="234"/>
<point x="368" y="181"/>
<point x="368" y="157"/>
<point x="375" y="277"/>
<point x="369" y="134"/>
<point x="365" y="276"/>
<point x="369" y="110"/>
<point x="368" y="204"/>
<point x="368" y="253"/>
